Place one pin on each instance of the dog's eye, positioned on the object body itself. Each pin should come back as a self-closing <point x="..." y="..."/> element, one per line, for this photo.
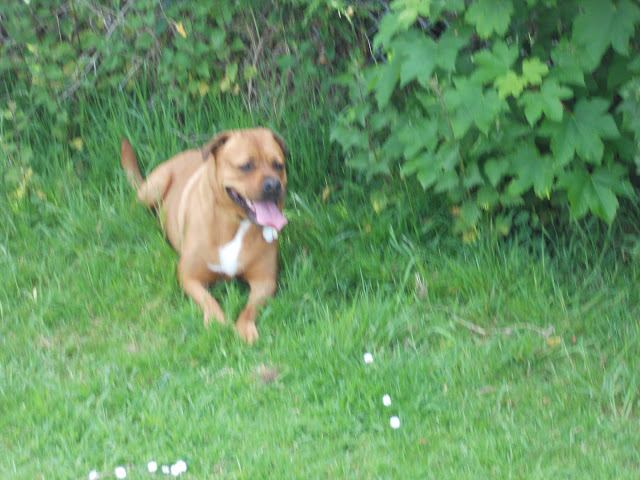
<point x="277" y="166"/>
<point x="247" y="167"/>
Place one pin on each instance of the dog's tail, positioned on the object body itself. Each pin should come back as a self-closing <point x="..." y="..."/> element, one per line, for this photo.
<point x="130" y="164"/>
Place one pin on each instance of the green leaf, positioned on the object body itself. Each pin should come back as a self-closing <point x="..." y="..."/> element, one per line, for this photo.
<point x="594" y="192"/>
<point x="447" y="182"/>
<point x="349" y="138"/>
<point x="630" y="107"/>
<point x="448" y="156"/>
<point x="237" y="45"/>
<point x="448" y="45"/>
<point x="472" y="176"/>
<point x="567" y="65"/>
<point x="530" y="169"/>
<point x="509" y="84"/>
<point x="495" y="169"/>
<point x="385" y="82"/>
<point x="460" y="101"/>
<point x="203" y="70"/>
<point x="381" y="120"/>
<point x="533" y="70"/>
<point x="618" y="72"/>
<point x="412" y="7"/>
<point x="424" y="167"/>
<point x="467" y="104"/>
<point x="547" y="100"/>
<point x="490" y="16"/>
<point x="577" y="183"/>
<point x="491" y="64"/>
<point x="366" y="162"/>
<point x="249" y="72"/>
<point x="451" y="6"/>
<point x="491" y="106"/>
<point x="218" y="37"/>
<point x="487" y="197"/>
<point x="53" y="72"/>
<point x="623" y="25"/>
<point x="144" y="41"/>
<point x="417" y="136"/>
<point x="404" y="14"/>
<point x="389" y="26"/>
<point x="232" y="71"/>
<point x="469" y="213"/>
<point x="582" y="132"/>
<point x="503" y="223"/>
<point x="286" y="62"/>
<point x="182" y="60"/>
<point x="134" y="22"/>
<point x="417" y="57"/>
<point x="602" y="24"/>
<point x="437" y="169"/>
<point x="615" y="177"/>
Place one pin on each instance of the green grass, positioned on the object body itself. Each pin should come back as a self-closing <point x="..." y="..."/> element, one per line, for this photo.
<point x="104" y="362"/>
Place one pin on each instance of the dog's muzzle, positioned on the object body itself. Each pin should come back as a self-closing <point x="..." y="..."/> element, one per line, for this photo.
<point x="271" y="190"/>
<point x="263" y="212"/>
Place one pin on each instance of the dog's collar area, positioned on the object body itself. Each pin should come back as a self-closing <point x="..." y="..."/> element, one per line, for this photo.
<point x="263" y="214"/>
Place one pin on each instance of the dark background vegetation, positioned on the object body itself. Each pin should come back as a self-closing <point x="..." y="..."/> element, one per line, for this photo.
<point x="519" y="113"/>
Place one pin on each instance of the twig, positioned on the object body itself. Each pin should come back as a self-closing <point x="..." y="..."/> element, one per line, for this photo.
<point x="98" y="10"/>
<point x="544" y="332"/>
<point x="134" y="68"/>
<point x="119" y="17"/>
<point x="192" y="140"/>
<point x="471" y="326"/>
<point x="257" y="50"/>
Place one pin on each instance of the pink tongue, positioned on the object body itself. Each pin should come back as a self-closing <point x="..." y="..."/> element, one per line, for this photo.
<point x="267" y="213"/>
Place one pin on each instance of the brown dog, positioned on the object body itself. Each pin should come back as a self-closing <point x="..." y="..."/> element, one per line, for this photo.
<point x="222" y="211"/>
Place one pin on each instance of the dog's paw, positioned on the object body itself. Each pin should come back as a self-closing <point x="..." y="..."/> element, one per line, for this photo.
<point x="208" y="319"/>
<point x="248" y="332"/>
<point x="212" y="312"/>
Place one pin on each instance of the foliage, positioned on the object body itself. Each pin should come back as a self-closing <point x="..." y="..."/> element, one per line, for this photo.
<point x="57" y="56"/>
<point x="502" y="104"/>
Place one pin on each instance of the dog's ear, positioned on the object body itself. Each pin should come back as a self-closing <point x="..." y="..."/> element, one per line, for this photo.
<point x="281" y="144"/>
<point x="215" y="143"/>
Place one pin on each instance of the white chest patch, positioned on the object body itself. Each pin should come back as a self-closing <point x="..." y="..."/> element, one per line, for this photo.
<point x="229" y="254"/>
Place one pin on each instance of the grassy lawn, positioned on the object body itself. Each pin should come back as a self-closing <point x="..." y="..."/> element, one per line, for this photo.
<point x="514" y="358"/>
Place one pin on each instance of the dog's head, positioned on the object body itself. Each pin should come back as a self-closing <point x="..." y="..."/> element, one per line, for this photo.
<point x="248" y="174"/>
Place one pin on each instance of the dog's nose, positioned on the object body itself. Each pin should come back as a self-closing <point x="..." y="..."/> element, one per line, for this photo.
<point x="271" y="188"/>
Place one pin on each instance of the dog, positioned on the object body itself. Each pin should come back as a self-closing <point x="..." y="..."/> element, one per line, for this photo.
<point x="221" y="208"/>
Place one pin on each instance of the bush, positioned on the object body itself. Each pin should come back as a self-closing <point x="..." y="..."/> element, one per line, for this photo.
<point x="504" y="106"/>
<point x="52" y="56"/>
<point x="55" y="56"/>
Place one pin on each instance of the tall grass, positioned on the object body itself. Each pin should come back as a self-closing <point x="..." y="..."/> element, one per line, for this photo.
<point x="505" y="358"/>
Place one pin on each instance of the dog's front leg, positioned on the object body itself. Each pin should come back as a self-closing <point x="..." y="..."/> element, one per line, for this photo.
<point x="261" y="289"/>
<point x="195" y="288"/>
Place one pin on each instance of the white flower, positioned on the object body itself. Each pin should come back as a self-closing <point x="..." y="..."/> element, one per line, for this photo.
<point x="181" y="466"/>
<point x="386" y="400"/>
<point x="93" y="475"/>
<point x="394" y="422"/>
<point x="152" y="467"/>
<point x="166" y="470"/>
<point x="121" y="472"/>
<point x="368" y="358"/>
